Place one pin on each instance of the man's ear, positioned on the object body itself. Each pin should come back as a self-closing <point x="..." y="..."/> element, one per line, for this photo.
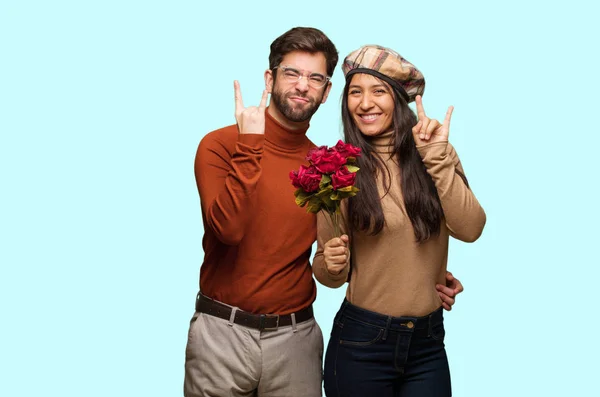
<point x="326" y="93"/>
<point x="269" y="80"/>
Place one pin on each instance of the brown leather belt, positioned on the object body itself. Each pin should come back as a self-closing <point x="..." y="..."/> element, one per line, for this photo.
<point x="262" y="322"/>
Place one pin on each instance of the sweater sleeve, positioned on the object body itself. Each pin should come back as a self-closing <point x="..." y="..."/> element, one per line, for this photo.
<point x="227" y="181"/>
<point x="464" y="216"/>
<point x="325" y="232"/>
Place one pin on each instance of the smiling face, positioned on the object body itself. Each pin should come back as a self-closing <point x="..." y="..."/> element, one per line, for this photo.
<point x="371" y="104"/>
<point x="296" y="101"/>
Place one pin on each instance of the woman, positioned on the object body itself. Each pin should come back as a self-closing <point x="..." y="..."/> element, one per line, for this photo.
<point x="388" y="336"/>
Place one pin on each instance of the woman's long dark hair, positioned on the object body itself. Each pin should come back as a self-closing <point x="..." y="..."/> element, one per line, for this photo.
<point x="420" y="195"/>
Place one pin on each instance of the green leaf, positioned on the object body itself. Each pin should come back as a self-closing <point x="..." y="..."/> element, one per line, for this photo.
<point x="302" y="197"/>
<point x="325" y="179"/>
<point x="314" y="205"/>
<point x="345" y="192"/>
<point x="329" y="204"/>
<point x="324" y="192"/>
<point x="352" y="168"/>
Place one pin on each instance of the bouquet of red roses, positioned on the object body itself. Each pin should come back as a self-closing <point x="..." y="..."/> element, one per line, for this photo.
<point x="327" y="180"/>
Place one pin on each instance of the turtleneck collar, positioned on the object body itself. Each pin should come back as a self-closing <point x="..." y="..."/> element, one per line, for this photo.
<point x="280" y="136"/>
<point x="382" y="143"/>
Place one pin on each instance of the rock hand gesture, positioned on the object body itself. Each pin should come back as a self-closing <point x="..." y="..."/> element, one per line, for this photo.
<point x="430" y="130"/>
<point x="250" y="120"/>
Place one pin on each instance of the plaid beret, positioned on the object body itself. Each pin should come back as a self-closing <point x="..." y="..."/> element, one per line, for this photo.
<point x="388" y="65"/>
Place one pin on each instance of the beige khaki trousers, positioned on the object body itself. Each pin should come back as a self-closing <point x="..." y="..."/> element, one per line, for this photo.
<point x="224" y="359"/>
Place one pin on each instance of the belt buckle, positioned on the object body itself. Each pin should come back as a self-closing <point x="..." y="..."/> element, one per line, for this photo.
<point x="264" y="317"/>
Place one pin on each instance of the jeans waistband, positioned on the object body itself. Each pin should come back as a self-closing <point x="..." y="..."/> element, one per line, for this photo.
<point x="401" y="323"/>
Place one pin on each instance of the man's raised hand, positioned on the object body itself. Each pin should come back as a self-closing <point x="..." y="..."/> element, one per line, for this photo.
<point x="250" y="120"/>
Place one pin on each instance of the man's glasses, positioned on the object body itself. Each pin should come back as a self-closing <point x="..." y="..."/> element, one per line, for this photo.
<point x="291" y="75"/>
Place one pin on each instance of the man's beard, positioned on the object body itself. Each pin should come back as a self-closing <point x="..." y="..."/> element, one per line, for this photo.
<point x="280" y="100"/>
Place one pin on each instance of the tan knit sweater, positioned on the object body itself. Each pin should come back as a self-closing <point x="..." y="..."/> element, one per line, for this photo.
<point x="391" y="273"/>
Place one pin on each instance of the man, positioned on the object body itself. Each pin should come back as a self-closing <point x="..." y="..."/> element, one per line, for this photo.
<point x="253" y="332"/>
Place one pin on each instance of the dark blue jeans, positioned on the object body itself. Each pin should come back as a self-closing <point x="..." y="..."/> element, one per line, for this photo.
<point x="370" y="354"/>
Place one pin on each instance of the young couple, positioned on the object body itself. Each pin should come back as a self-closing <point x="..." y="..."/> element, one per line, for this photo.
<point x="253" y="332"/>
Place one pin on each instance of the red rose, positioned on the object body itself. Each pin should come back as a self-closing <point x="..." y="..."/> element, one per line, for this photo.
<point x="328" y="162"/>
<point x="346" y="149"/>
<point x="316" y="153"/>
<point x="343" y="178"/>
<point x="307" y="178"/>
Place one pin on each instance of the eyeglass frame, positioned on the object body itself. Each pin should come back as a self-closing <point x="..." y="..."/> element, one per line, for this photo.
<point x="302" y="73"/>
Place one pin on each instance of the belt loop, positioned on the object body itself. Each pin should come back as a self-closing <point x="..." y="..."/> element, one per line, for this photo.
<point x="197" y="300"/>
<point x="387" y="327"/>
<point x="340" y="313"/>
<point x="294" y="329"/>
<point x="429" y="325"/>
<point x="232" y="316"/>
<point x="345" y="304"/>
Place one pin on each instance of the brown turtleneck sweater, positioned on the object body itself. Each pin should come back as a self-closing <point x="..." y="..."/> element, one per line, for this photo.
<point x="391" y="273"/>
<point x="257" y="241"/>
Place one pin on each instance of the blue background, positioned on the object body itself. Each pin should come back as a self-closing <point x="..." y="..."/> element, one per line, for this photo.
<point x="102" y="106"/>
